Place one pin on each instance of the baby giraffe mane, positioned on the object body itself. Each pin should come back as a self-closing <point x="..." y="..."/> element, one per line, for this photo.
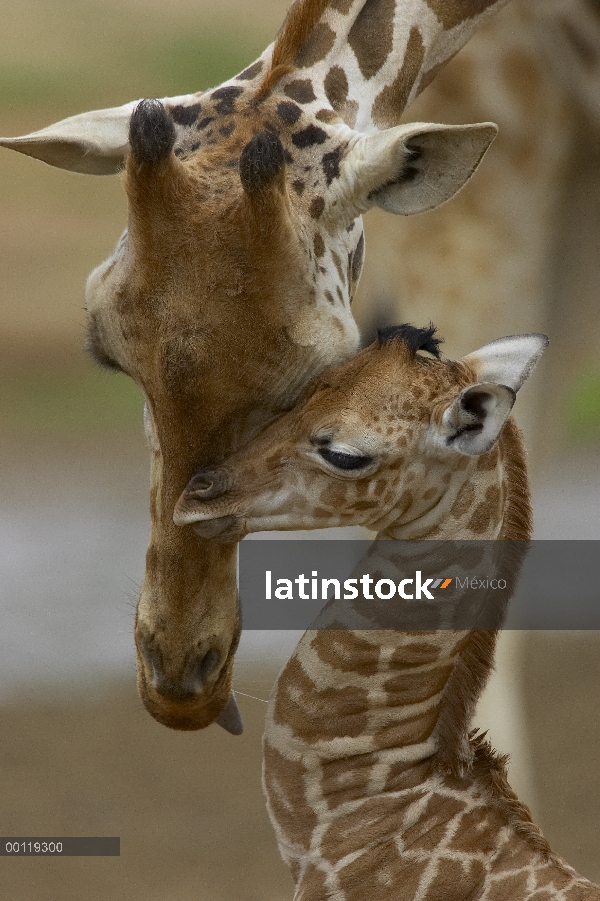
<point x="471" y="673"/>
<point x="414" y="338"/>
<point x="490" y="770"/>
<point x="475" y="664"/>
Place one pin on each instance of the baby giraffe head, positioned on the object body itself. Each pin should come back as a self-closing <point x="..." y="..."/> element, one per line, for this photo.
<point x="397" y="440"/>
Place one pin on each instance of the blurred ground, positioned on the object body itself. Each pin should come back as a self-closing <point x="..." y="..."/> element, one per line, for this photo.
<point x="78" y="755"/>
<point x="188" y="807"/>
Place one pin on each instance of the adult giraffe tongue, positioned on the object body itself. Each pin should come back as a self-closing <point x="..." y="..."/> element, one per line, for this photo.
<point x="230" y="717"/>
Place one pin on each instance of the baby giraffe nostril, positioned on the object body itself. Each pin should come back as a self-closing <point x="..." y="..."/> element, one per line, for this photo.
<point x="206" y="485"/>
<point x="202" y="484"/>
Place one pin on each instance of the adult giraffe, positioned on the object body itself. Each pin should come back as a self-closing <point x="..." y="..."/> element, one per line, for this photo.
<point x="233" y="284"/>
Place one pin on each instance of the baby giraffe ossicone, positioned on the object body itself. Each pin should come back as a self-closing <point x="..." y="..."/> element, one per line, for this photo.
<point x="375" y="784"/>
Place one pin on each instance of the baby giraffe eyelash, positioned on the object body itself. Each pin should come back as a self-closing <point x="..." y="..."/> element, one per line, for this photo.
<point x="344" y="461"/>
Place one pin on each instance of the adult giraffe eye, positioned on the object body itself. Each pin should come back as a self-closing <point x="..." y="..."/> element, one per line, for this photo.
<point x="342" y="460"/>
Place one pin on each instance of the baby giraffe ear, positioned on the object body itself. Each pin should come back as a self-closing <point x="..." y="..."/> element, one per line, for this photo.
<point x="473" y="421"/>
<point x="413" y="168"/>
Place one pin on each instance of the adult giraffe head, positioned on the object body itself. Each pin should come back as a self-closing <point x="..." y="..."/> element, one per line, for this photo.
<point x="232" y="286"/>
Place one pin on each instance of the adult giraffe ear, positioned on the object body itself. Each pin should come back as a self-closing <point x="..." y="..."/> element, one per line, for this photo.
<point x="474" y="420"/>
<point x="94" y="143"/>
<point x="413" y="168"/>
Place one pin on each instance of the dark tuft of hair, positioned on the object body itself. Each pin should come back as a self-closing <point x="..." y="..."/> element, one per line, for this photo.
<point x="261" y="160"/>
<point x="414" y="338"/>
<point x="151" y="132"/>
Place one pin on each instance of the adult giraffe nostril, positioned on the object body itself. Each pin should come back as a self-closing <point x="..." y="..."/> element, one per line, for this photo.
<point x="189" y="682"/>
<point x="206" y="665"/>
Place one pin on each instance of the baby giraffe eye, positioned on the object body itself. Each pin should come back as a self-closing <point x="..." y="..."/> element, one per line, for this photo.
<point x="343" y="460"/>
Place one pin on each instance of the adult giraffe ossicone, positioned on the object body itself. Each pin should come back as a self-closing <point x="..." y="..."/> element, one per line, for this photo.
<point x="376" y="785"/>
<point x="232" y="286"/>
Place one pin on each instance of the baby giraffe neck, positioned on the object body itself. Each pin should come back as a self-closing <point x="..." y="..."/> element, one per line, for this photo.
<point x="373" y="783"/>
<point x="468" y="498"/>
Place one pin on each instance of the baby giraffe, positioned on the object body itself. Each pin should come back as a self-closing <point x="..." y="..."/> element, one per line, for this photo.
<point x="375" y="785"/>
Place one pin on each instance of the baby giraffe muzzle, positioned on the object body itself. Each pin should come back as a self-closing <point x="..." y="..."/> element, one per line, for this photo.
<point x="207" y="485"/>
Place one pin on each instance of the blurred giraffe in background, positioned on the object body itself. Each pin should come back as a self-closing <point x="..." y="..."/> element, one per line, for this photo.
<point x="519" y="251"/>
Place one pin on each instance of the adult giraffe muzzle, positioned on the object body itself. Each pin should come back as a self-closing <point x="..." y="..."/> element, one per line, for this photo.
<point x="232" y="286"/>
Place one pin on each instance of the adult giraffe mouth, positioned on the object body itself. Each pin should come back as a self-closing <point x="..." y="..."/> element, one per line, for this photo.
<point x="187" y="707"/>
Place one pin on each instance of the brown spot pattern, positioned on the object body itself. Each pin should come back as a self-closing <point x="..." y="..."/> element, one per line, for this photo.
<point x="308" y="136"/>
<point x="301" y="90"/>
<point x="249" y="73"/>
<point x="409" y="732"/>
<point x="319" y="245"/>
<point x="464" y="500"/>
<point x="342" y="782"/>
<point x="451" y="880"/>
<point x="580" y="892"/>
<point x="327" y="115"/>
<point x="552" y="876"/>
<point x="391" y="101"/>
<point x="372" y="35"/>
<point x="478" y="831"/>
<point x="319" y="715"/>
<point x="288" y="112"/>
<point x="289" y="805"/>
<point x="338" y="266"/>
<point x="347" y="652"/>
<point x="382" y="859"/>
<point x="439" y="811"/>
<point x="515" y="856"/>
<point x="331" y="164"/>
<point x="488" y="461"/>
<point x="374" y="820"/>
<point x="452" y="14"/>
<point x="486" y="512"/>
<point x="413" y="688"/>
<point x="415" y="654"/>
<point x="407" y="775"/>
<point x="405" y="501"/>
<point x="514" y="886"/>
<point x="314" y="885"/>
<point x="336" y="87"/>
<point x="316" y="207"/>
<point x="317" y="46"/>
